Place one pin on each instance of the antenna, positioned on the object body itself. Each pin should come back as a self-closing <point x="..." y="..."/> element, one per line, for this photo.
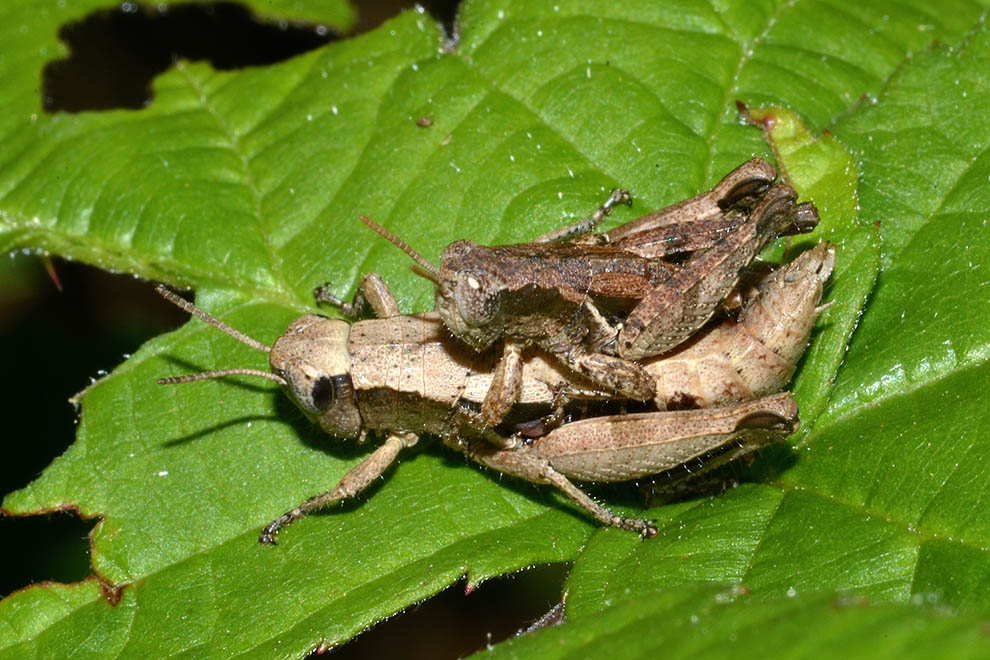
<point x="191" y="309"/>
<point x="429" y="271"/>
<point x="207" y="375"/>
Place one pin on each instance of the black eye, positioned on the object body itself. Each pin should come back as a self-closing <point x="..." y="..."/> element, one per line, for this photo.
<point x="477" y="299"/>
<point x="322" y="394"/>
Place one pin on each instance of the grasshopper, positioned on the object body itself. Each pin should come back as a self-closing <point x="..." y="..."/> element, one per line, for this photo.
<point x="564" y="297"/>
<point x="403" y="375"/>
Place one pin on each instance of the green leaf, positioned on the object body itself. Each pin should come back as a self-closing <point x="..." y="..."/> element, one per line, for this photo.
<point x="706" y="621"/>
<point x="246" y="186"/>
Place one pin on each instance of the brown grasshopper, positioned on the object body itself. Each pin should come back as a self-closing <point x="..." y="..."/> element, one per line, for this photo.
<point x="564" y="297"/>
<point x="746" y="357"/>
<point x="403" y="375"/>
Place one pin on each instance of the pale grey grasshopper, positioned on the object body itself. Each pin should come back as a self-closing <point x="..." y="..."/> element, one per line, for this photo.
<point x="598" y="307"/>
<point x="403" y="375"/>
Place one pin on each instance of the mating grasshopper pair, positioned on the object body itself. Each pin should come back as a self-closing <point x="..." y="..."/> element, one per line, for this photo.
<point x="405" y="376"/>
<point x="602" y="302"/>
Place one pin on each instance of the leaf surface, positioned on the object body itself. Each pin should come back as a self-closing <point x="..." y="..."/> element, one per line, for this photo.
<point x="246" y="186"/>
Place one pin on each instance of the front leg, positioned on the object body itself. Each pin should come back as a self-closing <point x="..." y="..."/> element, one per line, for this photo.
<point x="371" y="292"/>
<point x="352" y="483"/>
<point x="505" y="388"/>
<point x="502" y="394"/>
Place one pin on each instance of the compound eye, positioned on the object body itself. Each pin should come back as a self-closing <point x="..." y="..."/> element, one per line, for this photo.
<point x="478" y="301"/>
<point x="323" y="394"/>
<point x="312" y="388"/>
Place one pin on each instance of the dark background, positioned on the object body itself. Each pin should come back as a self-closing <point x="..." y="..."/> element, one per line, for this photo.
<point x="54" y="342"/>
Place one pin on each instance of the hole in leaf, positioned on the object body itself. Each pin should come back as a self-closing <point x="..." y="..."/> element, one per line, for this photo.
<point x="114" y="54"/>
<point x="454" y="625"/>
<point x="39" y="548"/>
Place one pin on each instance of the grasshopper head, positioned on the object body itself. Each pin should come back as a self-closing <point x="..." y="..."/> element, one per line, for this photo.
<point x="469" y="295"/>
<point x="312" y="357"/>
<point x="310" y="361"/>
<point x="468" y="287"/>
